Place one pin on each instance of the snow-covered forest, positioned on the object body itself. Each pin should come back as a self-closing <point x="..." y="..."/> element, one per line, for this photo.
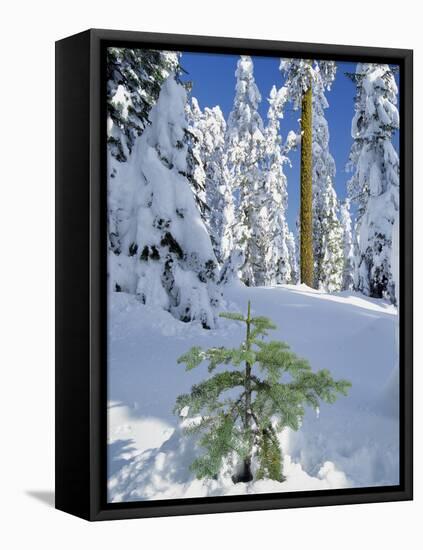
<point x="200" y="222"/>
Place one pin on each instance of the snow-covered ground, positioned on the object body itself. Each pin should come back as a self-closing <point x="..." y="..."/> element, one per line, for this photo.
<point x="353" y="443"/>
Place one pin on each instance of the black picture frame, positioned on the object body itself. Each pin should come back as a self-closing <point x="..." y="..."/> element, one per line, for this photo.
<point x="81" y="352"/>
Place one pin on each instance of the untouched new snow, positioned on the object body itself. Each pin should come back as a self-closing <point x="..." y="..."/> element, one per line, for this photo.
<point x="353" y="443"/>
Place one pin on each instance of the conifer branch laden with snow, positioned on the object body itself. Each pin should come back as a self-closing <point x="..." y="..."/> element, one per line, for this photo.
<point x="374" y="186"/>
<point x="272" y="387"/>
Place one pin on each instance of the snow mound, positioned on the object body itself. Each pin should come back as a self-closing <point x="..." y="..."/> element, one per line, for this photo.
<point x="164" y="473"/>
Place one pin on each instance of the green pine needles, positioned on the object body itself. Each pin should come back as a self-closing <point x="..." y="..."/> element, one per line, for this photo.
<point x="239" y="412"/>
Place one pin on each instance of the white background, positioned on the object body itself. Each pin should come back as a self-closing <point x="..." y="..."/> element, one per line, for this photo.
<point x="29" y="29"/>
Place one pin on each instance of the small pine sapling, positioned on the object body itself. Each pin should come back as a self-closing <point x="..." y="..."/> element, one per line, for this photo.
<point x="240" y="412"/>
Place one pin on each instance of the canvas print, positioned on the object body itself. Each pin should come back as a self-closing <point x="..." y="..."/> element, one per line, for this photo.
<point x="253" y="274"/>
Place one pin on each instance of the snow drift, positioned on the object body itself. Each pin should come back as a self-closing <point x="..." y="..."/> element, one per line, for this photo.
<point x="352" y="443"/>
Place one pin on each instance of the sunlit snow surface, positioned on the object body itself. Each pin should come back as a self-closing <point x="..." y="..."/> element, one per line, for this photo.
<point x="353" y="443"/>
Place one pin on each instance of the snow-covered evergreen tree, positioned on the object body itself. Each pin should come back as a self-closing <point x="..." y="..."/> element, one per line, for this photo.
<point x="134" y="77"/>
<point x="280" y="257"/>
<point x="219" y="194"/>
<point x="166" y="256"/>
<point x="347" y="246"/>
<point x="245" y="144"/>
<point x="209" y="127"/>
<point x="327" y="230"/>
<point x="329" y="263"/>
<point x="374" y="186"/>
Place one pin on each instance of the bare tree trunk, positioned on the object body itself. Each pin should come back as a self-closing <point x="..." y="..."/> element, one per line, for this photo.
<point x="306" y="210"/>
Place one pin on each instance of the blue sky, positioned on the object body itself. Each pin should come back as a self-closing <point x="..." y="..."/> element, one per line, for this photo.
<point x="213" y="78"/>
